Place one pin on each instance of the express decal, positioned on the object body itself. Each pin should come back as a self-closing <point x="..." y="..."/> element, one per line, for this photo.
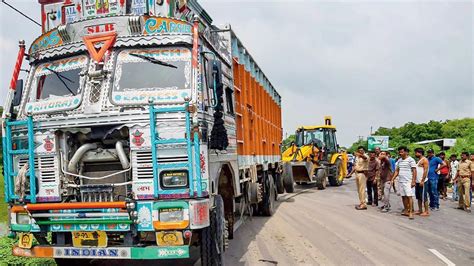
<point x="145" y="96"/>
<point x="165" y="25"/>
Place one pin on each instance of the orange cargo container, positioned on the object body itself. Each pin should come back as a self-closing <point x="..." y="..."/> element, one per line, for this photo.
<point x="258" y="110"/>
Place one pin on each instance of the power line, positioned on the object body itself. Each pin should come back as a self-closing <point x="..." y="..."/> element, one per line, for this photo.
<point x="21" y="13"/>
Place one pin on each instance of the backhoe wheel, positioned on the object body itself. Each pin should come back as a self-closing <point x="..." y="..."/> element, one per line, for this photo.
<point x="279" y="183"/>
<point x="289" y="183"/>
<point x="268" y="203"/>
<point x="337" y="178"/>
<point x="322" y="179"/>
<point x="213" y="237"/>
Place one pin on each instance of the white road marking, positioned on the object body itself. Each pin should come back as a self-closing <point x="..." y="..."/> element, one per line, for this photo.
<point x="442" y="257"/>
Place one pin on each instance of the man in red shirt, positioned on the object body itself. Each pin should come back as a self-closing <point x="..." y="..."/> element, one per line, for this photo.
<point x="443" y="179"/>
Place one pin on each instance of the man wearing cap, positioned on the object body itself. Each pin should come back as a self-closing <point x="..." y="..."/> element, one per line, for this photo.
<point x="435" y="164"/>
<point x="465" y="175"/>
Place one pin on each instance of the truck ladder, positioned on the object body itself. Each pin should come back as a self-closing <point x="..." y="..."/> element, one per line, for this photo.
<point x="9" y="152"/>
<point x="191" y="146"/>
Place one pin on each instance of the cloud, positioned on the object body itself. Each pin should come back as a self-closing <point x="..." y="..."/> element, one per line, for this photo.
<point x="368" y="64"/>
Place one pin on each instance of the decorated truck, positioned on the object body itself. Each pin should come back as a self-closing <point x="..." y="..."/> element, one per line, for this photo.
<point x="141" y="131"/>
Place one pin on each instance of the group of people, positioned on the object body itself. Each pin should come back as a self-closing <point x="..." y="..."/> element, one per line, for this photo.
<point x="424" y="179"/>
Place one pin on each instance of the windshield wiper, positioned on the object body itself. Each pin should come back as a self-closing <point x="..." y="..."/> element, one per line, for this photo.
<point x="61" y="78"/>
<point x="153" y="60"/>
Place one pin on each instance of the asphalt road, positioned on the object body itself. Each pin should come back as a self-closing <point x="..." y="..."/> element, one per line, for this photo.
<point x="313" y="227"/>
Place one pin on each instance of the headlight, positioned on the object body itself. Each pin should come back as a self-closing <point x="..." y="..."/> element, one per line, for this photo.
<point x="171" y="215"/>
<point x="173" y="179"/>
<point x="23" y="218"/>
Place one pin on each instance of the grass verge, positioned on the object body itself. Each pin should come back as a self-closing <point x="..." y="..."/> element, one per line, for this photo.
<point x="6" y="244"/>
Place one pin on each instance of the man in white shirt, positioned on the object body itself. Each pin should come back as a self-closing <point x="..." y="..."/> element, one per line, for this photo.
<point x="454" y="169"/>
<point x="405" y="170"/>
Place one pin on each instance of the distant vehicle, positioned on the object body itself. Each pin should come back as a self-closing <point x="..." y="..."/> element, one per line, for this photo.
<point x="350" y="162"/>
<point x="314" y="157"/>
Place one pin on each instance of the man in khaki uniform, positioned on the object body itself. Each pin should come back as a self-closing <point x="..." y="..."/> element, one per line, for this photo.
<point x="360" y="168"/>
<point x="464" y="175"/>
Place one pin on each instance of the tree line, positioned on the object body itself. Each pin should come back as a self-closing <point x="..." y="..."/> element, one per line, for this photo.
<point x="410" y="133"/>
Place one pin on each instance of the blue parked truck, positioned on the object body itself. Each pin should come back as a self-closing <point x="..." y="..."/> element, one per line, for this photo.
<point x="133" y="134"/>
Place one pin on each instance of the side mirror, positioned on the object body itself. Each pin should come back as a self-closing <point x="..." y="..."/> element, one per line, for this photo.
<point x="18" y="92"/>
<point x="214" y="73"/>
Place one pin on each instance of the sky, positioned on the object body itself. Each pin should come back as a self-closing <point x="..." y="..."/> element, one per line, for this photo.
<point x="368" y="64"/>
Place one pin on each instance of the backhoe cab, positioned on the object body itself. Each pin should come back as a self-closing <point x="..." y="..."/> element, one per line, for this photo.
<point x="314" y="158"/>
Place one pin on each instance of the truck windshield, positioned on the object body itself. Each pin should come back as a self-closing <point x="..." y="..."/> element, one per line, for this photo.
<point x="307" y="137"/>
<point x="59" y="78"/>
<point x="146" y="76"/>
<point x="162" y="74"/>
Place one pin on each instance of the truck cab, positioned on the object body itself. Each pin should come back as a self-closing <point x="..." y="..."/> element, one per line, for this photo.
<point x="129" y="137"/>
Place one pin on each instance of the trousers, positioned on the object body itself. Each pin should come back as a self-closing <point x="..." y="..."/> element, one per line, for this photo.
<point x="372" y="192"/>
<point x="386" y="194"/>
<point x="465" y="192"/>
<point x="432" y="188"/>
<point x="361" y="181"/>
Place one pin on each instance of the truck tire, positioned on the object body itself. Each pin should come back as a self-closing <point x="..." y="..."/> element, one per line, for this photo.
<point x="268" y="203"/>
<point x="335" y="179"/>
<point x="289" y="183"/>
<point x="279" y="183"/>
<point x="321" y="175"/>
<point x="212" y="237"/>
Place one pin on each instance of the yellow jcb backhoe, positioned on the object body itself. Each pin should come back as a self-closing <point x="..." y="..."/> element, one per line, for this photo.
<point x="314" y="158"/>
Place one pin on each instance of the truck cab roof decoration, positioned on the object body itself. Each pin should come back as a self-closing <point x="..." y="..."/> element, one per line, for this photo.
<point x="127" y="27"/>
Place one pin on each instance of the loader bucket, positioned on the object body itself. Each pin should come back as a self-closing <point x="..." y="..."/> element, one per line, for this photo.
<point x="299" y="171"/>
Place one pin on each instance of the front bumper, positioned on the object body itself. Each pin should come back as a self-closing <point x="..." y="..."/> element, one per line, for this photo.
<point x="134" y="253"/>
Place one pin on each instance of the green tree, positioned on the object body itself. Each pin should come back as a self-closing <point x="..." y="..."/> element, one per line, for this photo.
<point x="357" y="144"/>
<point x="410" y="133"/>
<point x="287" y="142"/>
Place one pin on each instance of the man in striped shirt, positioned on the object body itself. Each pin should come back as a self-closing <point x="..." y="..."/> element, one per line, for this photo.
<point x="406" y="172"/>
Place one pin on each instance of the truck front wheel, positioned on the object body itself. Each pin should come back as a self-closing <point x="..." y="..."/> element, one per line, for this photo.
<point x="268" y="204"/>
<point x="279" y="183"/>
<point x="213" y="237"/>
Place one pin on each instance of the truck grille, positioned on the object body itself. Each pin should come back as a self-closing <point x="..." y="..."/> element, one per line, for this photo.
<point x="47" y="173"/>
<point x="45" y="167"/>
<point x="142" y="166"/>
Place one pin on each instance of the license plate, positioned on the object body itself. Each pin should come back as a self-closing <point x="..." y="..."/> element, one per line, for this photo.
<point x="89" y="239"/>
<point x="171" y="215"/>
<point x="25" y="240"/>
<point x="170" y="238"/>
